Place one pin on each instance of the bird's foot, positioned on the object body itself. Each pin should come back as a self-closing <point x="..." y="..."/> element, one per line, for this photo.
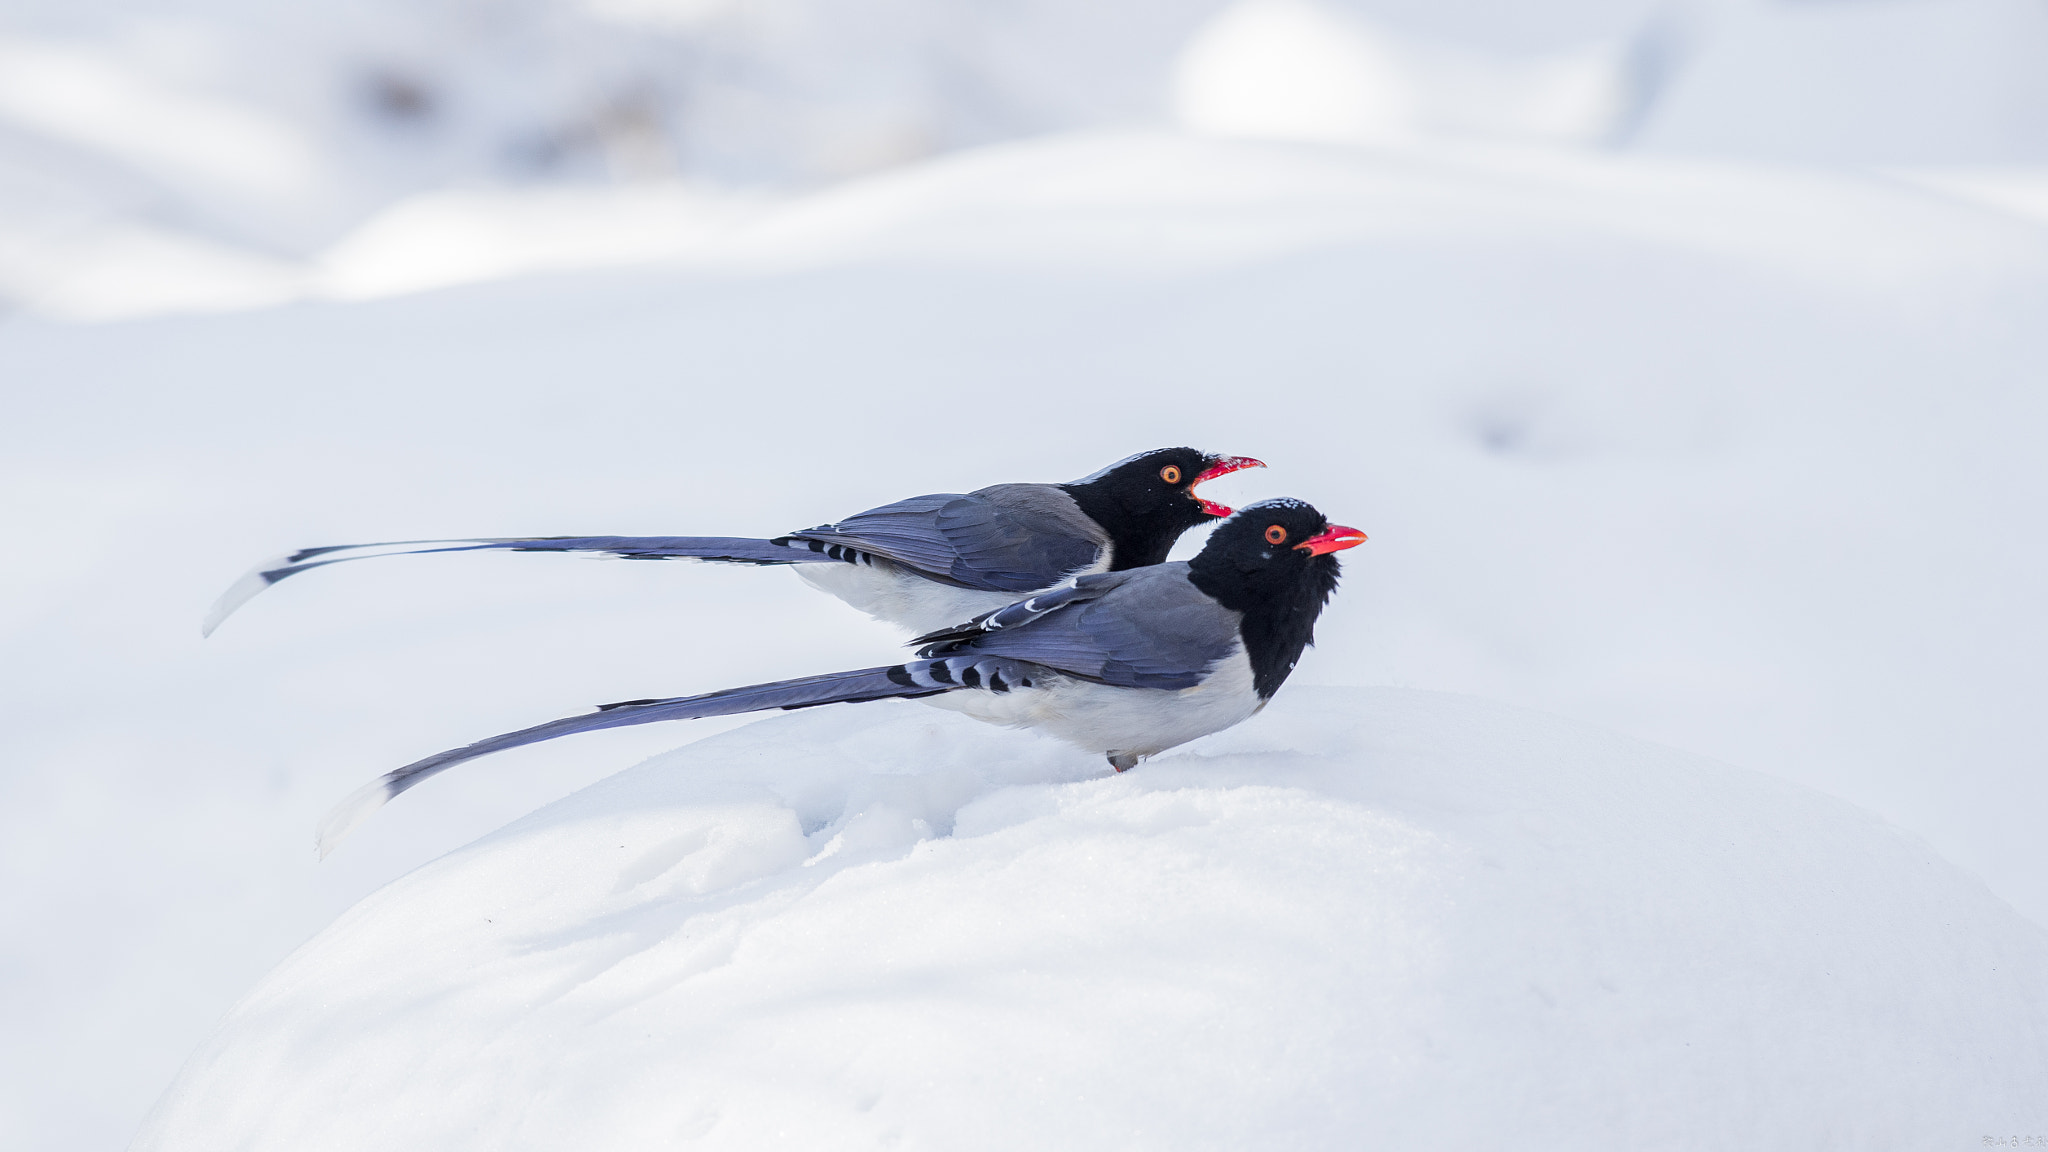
<point x="1123" y="761"/>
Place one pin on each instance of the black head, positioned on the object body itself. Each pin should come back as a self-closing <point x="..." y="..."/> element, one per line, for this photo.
<point x="1147" y="501"/>
<point x="1274" y="562"/>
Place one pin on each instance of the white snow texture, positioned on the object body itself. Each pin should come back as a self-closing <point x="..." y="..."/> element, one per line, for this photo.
<point x="1744" y="460"/>
<point x="1386" y="917"/>
<point x="1665" y="410"/>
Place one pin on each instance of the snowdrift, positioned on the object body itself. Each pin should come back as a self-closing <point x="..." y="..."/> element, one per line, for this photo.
<point x="1740" y="460"/>
<point x="1365" y="918"/>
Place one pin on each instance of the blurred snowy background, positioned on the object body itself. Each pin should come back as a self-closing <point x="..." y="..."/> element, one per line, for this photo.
<point x="1684" y="361"/>
<point x="220" y="154"/>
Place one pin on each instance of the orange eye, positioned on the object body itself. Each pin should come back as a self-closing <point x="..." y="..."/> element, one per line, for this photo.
<point x="1276" y="535"/>
<point x="1170" y="474"/>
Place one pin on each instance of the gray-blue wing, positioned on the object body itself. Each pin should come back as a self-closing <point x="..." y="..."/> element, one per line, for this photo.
<point x="1142" y="628"/>
<point x="1020" y="613"/>
<point x="898" y="681"/>
<point x="1008" y="538"/>
<point x="727" y="549"/>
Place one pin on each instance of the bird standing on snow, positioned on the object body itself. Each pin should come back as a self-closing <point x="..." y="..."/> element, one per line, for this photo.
<point x="920" y="563"/>
<point x="1125" y="663"/>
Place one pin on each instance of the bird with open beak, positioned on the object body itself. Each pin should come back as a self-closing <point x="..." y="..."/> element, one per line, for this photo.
<point x="921" y="563"/>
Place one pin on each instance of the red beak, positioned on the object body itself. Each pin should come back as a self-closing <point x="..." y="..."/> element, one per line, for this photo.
<point x="1223" y="466"/>
<point x="1335" y="538"/>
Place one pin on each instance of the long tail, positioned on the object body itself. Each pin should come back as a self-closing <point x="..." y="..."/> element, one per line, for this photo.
<point x="898" y="681"/>
<point x="732" y="550"/>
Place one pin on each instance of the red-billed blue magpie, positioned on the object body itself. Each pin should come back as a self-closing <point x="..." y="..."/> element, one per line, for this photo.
<point x="920" y="563"/>
<point x="1125" y="664"/>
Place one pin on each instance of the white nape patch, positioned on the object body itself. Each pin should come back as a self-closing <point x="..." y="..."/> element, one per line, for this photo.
<point x="1103" y="719"/>
<point x="1276" y="502"/>
<point x="342" y="820"/>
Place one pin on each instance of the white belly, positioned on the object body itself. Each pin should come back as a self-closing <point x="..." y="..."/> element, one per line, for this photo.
<point x="894" y="596"/>
<point x="1107" y="720"/>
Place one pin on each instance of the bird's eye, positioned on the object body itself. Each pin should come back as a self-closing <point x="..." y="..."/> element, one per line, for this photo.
<point x="1170" y="474"/>
<point x="1275" y="534"/>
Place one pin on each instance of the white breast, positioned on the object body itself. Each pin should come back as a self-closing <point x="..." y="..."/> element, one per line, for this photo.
<point x="893" y="596"/>
<point x="1110" y="720"/>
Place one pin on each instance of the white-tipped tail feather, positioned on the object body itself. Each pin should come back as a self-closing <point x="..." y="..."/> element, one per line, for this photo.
<point x="350" y="812"/>
<point x="278" y="567"/>
<point x="240" y="593"/>
<point x="722" y="549"/>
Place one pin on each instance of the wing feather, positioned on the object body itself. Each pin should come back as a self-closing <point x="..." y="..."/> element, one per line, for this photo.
<point x="1141" y="628"/>
<point x="994" y="540"/>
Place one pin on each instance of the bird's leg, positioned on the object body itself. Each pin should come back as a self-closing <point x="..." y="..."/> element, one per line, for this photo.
<point x="1123" y="761"/>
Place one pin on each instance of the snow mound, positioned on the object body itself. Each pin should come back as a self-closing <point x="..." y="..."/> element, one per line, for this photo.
<point x="1366" y="916"/>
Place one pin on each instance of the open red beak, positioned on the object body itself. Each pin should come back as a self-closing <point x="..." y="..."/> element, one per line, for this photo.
<point x="1335" y="538"/>
<point x="1223" y="466"/>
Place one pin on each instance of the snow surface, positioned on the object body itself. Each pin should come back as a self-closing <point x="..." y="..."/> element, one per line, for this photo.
<point x="1740" y="459"/>
<point x="1366" y="917"/>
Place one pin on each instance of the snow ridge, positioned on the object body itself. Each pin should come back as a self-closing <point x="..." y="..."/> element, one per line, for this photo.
<point x="1417" y="916"/>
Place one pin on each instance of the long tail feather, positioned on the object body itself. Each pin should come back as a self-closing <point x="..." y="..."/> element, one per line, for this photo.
<point x="898" y="681"/>
<point x="734" y="550"/>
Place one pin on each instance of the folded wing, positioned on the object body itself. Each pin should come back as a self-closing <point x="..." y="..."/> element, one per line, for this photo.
<point x="1141" y="628"/>
<point x="1010" y="538"/>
